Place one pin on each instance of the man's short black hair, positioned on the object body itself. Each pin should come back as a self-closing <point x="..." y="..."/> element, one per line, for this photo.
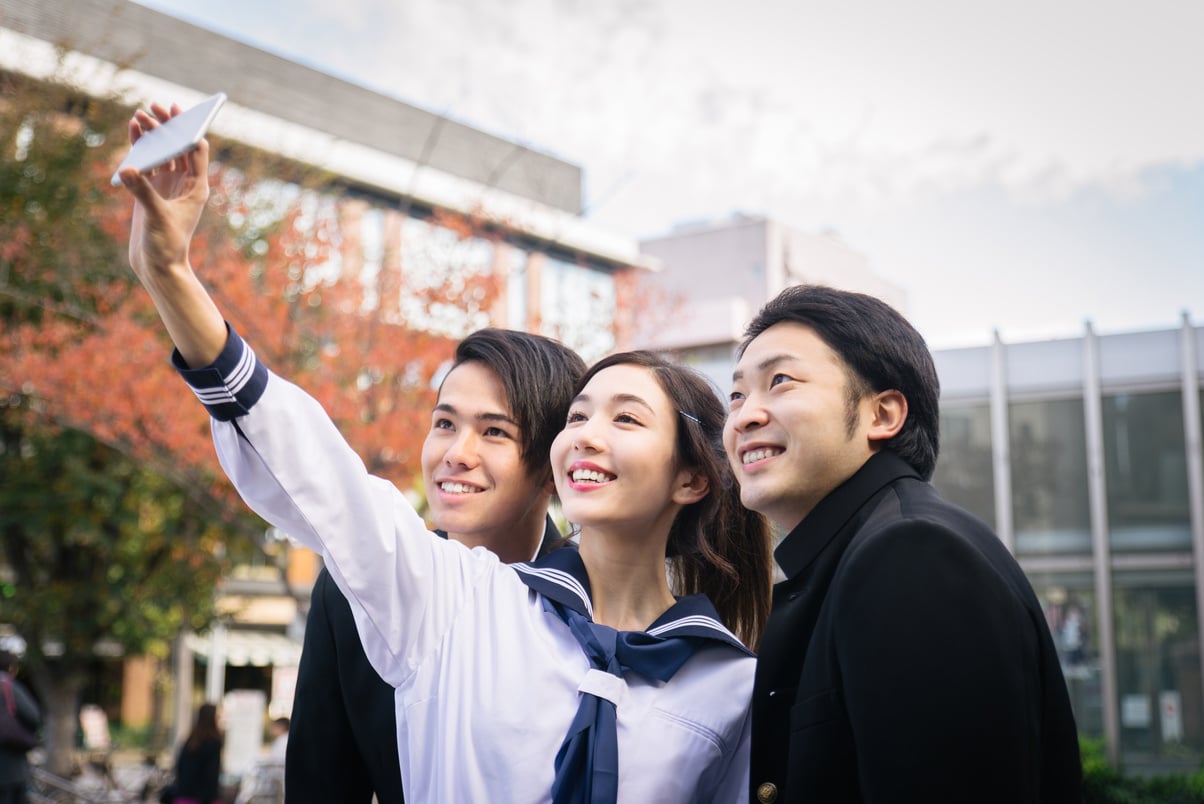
<point x="539" y="377"/>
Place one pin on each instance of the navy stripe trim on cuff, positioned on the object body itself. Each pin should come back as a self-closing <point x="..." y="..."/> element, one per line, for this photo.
<point x="231" y="385"/>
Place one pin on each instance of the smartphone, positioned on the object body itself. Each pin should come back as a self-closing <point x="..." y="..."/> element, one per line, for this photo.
<point x="176" y="137"/>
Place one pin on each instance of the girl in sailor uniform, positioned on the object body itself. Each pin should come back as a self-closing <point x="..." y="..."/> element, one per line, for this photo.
<point x="587" y="676"/>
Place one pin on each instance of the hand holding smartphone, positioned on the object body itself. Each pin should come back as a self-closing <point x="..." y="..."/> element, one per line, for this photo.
<point x="172" y="139"/>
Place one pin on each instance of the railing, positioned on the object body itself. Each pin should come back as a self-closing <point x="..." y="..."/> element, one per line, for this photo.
<point x="263" y="784"/>
<point x="50" y="789"/>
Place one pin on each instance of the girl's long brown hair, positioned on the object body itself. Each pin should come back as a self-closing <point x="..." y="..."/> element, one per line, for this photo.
<point x="205" y="728"/>
<point x="716" y="545"/>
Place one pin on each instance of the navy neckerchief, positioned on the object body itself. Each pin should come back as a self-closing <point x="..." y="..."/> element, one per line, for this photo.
<point x="587" y="764"/>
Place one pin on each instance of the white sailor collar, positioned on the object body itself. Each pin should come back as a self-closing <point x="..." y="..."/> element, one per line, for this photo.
<point x="561" y="577"/>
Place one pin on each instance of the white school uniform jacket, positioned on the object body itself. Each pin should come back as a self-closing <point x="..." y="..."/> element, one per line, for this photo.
<point x="486" y="679"/>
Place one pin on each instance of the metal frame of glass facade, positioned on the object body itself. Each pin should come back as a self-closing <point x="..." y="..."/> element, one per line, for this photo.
<point x="1194" y="444"/>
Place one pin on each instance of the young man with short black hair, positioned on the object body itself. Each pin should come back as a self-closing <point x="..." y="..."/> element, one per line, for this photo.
<point x="488" y="482"/>
<point x="906" y="657"/>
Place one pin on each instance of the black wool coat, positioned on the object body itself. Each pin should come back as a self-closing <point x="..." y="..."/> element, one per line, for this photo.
<point x="907" y="659"/>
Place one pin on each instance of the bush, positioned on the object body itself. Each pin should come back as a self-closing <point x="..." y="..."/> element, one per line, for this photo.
<point x="1104" y="784"/>
<point x="123" y="736"/>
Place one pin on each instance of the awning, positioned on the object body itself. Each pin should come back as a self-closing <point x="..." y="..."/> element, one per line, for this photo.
<point x="254" y="648"/>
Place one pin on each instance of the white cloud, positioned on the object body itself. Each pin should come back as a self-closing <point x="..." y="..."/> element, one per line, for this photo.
<point x="874" y="95"/>
<point x="962" y="146"/>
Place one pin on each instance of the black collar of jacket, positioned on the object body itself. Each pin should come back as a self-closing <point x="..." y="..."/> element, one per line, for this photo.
<point x="551" y="537"/>
<point x="808" y="539"/>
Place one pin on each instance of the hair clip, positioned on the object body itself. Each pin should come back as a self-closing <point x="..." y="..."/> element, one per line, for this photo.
<point x="688" y="416"/>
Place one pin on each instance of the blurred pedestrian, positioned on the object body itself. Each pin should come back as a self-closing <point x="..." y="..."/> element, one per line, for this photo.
<point x="264" y="782"/>
<point x="279" y="744"/>
<point x="199" y="763"/>
<point x="23" y="721"/>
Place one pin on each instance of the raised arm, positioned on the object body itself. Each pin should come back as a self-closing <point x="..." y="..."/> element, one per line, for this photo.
<point x="167" y="209"/>
<point x="278" y="446"/>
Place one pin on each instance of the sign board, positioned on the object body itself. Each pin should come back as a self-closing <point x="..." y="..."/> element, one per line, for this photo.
<point x="1170" y="708"/>
<point x="1135" y="711"/>
<point x="284" y="685"/>
<point x="243" y="715"/>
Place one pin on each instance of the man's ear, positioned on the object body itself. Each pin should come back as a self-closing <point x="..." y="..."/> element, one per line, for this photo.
<point x="692" y="486"/>
<point x="888" y="415"/>
<point x="549" y="483"/>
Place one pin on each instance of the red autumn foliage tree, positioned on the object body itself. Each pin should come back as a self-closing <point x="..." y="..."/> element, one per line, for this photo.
<point x="293" y="293"/>
<point x="119" y="521"/>
<point x="304" y="313"/>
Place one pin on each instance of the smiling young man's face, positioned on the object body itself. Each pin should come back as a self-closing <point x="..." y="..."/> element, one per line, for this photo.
<point x="479" y="489"/>
<point x="793" y="434"/>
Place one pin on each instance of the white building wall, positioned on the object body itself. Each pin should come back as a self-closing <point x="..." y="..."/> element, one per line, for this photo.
<point x="716" y="276"/>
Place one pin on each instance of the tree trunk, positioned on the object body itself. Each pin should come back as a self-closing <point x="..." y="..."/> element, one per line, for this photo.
<point x="60" y="693"/>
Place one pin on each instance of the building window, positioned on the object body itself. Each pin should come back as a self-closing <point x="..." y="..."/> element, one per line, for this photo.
<point x="965" y="473"/>
<point x="716" y="364"/>
<point x="1049" y="477"/>
<point x="1158" y="670"/>
<point x="445" y="288"/>
<point x="516" y="290"/>
<point x="372" y="253"/>
<point x="1068" y="600"/>
<point x="577" y="306"/>
<point x="1146" y="471"/>
<point x="320" y="257"/>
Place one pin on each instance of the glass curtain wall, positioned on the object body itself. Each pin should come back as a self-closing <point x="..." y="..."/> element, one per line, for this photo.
<point x="965" y="472"/>
<point x="1147" y="499"/>
<point x="1049" y="476"/>
<point x="1158" y="670"/>
<point x="1069" y="602"/>
<point x="1146" y="470"/>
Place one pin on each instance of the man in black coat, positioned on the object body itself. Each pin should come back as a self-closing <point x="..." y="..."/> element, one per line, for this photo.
<point x="488" y="482"/>
<point x="906" y="657"/>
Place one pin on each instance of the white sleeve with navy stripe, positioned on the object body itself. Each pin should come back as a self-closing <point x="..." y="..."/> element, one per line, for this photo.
<point x="487" y="680"/>
<point x="294" y="469"/>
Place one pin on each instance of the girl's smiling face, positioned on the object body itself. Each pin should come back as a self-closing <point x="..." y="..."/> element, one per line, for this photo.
<point x="615" y="462"/>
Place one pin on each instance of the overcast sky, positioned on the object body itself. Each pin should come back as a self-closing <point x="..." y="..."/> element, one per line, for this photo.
<point x="1022" y="166"/>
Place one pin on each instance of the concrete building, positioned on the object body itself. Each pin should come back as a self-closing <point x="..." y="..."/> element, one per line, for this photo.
<point x="401" y="171"/>
<point x="714" y="276"/>
<point x="403" y="162"/>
